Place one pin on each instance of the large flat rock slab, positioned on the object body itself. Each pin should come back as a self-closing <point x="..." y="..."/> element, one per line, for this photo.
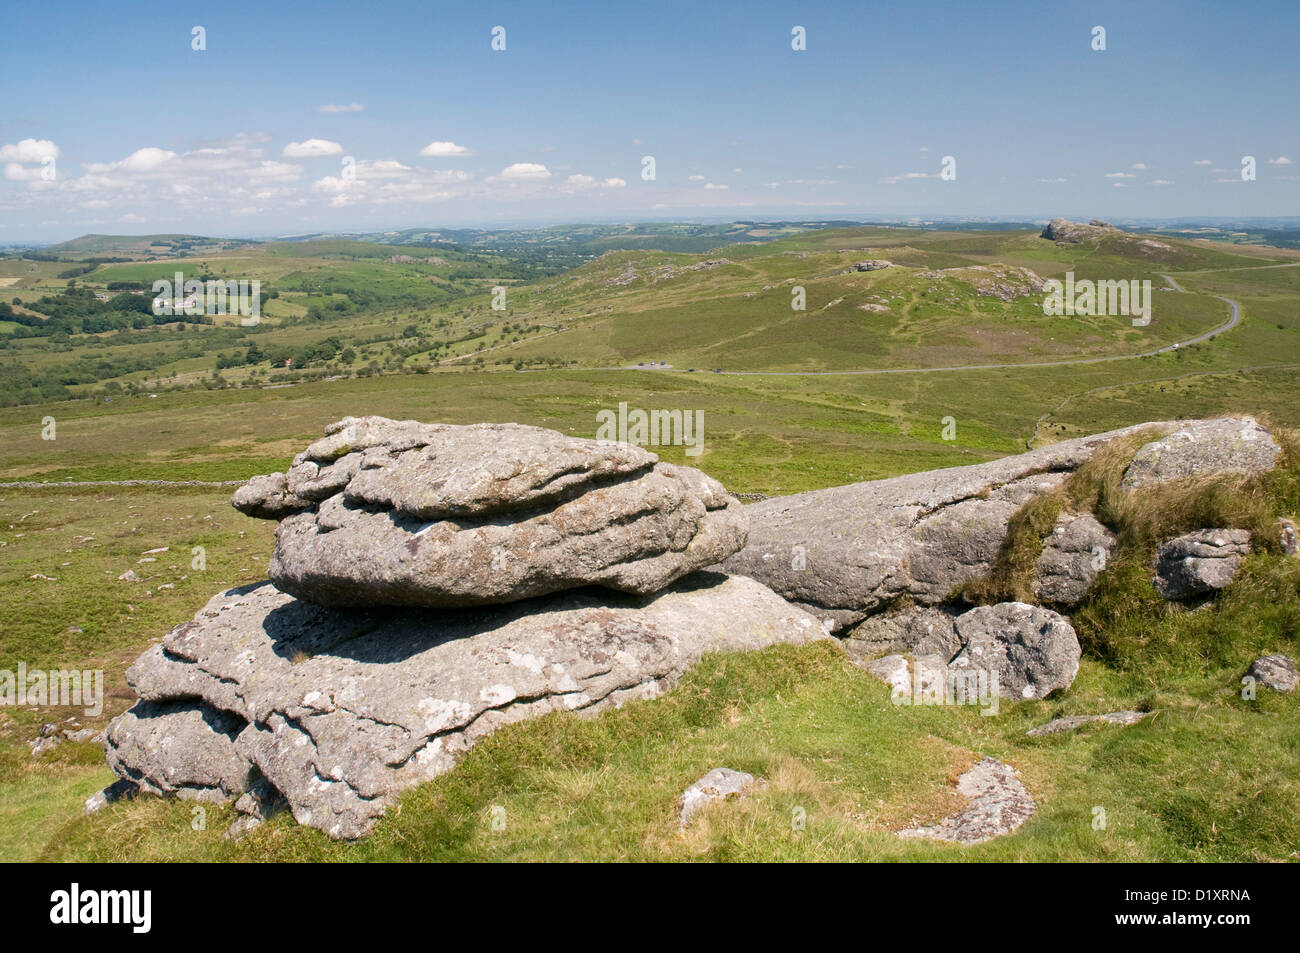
<point x="846" y="552"/>
<point x="341" y="709"/>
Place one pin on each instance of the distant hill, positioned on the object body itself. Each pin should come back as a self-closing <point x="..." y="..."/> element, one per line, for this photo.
<point x="143" y="246"/>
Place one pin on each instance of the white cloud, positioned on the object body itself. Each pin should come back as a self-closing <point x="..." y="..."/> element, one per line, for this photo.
<point x="1120" y="185"/>
<point x="525" y="172"/>
<point x="1280" y="160"/>
<point x="1120" y="175"/>
<point x="387" y="181"/>
<point x="716" y="188"/>
<point x="29" y="150"/>
<point x="1163" y="182"/>
<point x="1203" y="162"/>
<point x="579" y="181"/>
<point x="148" y="159"/>
<point x="1139" y="165"/>
<point x="695" y="178"/>
<point x="895" y="179"/>
<point x="444" y="150"/>
<point x="22" y="173"/>
<point x="336" y="108"/>
<point x="1058" y="179"/>
<point x="210" y="180"/>
<point x="310" y="148"/>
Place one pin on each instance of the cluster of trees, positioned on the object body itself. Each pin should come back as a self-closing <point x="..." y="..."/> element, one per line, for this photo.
<point x="78" y="311"/>
<point x="19" y="386"/>
<point x="275" y="355"/>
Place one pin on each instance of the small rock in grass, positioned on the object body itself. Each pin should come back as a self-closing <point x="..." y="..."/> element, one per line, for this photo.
<point x="1071" y="722"/>
<point x="1288" y="537"/>
<point x="999" y="804"/>
<point x="719" y="784"/>
<point x="1278" y="672"/>
<point x="119" y="790"/>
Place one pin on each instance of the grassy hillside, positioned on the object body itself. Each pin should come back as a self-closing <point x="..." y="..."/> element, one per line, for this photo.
<point x="1209" y="777"/>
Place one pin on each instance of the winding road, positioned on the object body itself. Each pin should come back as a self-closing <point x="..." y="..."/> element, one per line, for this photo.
<point x="1232" y="322"/>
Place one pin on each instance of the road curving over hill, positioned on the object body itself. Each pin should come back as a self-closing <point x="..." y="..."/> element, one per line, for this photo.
<point x="1233" y="320"/>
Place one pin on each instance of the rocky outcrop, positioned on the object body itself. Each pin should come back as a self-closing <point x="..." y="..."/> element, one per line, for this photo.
<point x="1199" y="563"/>
<point x="1073" y="557"/>
<point x="338" y="710"/>
<point x="383" y="512"/>
<point x="999" y="804"/>
<point x="872" y="264"/>
<point x="719" y="784"/>
<point x="1030" y="651"/>
<point x="1204" y="448"/>
<point x="846" y="552"/>
<point x="1064" y="230"/>
<point x="1278" y="672"/>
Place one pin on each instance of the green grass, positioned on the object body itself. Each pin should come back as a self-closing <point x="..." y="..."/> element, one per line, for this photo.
<point x="1209" y="776"/>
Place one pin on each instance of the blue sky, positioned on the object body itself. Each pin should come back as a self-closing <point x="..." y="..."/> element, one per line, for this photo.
<point x="148" y="135"/>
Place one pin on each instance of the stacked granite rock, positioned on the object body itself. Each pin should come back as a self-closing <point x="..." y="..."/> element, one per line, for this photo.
<point x="430" y="584"/>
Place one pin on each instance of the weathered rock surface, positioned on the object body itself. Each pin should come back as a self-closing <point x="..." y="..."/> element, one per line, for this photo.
<point x="918" y="630"/>
<point x="1073" y="557"/>
<point x="718" y="785"/>
<point x="923" y="679"/>
<point x="999" y="804"/>
<point x="872" y="264"/>
<point x="383" y="512"/>
<point x="1278" y="672"/>
<point x="1072" y="722"/>
<point x="1199" y="563"/>
<point x="1288" y="537"/>
<point x="1032" y="651"/>
<point x="1204" y="448"/>
<point x="179" y="746"/>
<point x="340" y="709"/>
<point x="844" y="552"/>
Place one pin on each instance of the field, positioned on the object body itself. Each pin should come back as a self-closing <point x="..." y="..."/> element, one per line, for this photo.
<point x="792" y="400"/>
